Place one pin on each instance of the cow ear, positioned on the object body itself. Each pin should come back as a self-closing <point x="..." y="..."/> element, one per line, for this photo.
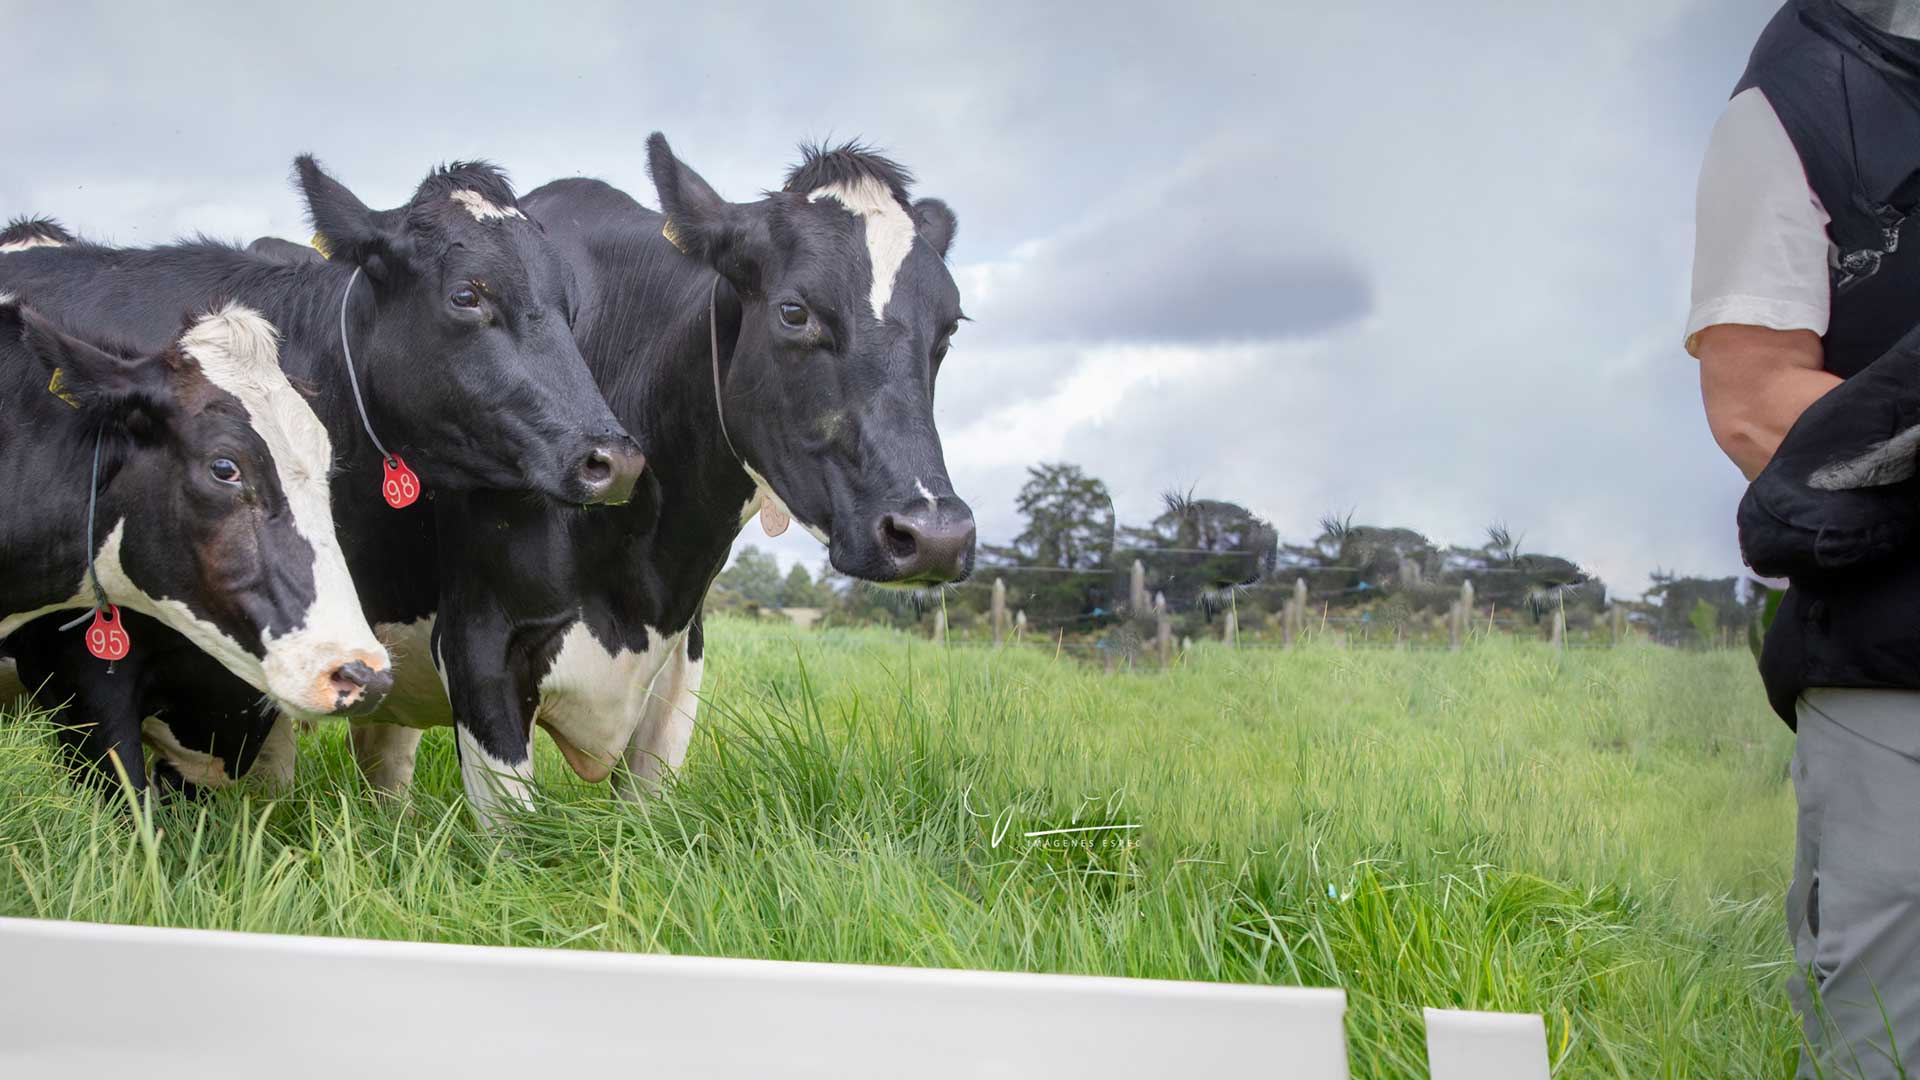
<point x="90" y="378"/>
<point x="346" y="230"/>
<point x="726" y="236"/>
<point x="935" y="223"/>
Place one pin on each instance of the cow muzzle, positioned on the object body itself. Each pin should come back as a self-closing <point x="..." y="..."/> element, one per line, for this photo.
<point x="358" y="688"/>
<point x="930" y="543"/>
<point x="606" y="474"/>
<point x="330" y="680"/>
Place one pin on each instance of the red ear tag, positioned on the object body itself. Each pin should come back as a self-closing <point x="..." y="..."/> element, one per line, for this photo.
<point x="106" y="638"/>
<point x="401" y="487"/>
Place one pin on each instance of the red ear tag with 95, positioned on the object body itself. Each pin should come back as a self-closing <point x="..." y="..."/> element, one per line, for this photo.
<point x="106" y="638"/>
<point x="400" y="487"/>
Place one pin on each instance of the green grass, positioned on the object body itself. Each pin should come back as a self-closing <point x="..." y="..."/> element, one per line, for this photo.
<point x="1601" y="836"/>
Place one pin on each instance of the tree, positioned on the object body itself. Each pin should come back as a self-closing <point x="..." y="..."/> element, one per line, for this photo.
<point x="1069" y="518"/>
<point x="1706" y="622"/>
<point x="799" y="590"/>
<point x="1680" y="602"/>
<point x="754" y="577"/>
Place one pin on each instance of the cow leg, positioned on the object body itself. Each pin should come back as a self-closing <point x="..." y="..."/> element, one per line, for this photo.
<point x="100" y="725"/>
<point x="273" y="766"/>
<point x="12" y="690"/>
<point x="492" y="717"/>
<point x="659" y="743"/>
<point x="385" y="753"/>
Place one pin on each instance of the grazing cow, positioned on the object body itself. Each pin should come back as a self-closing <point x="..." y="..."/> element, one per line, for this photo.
<point x="191" y="486"/>
<point x="456" y="309"/>
<point x="819" y="316"/>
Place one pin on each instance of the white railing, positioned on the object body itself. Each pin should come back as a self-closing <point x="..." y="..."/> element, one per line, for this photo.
<point x="85" y="1000"/>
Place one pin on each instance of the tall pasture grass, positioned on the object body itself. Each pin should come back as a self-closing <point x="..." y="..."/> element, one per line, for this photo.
<point x="1602" y="837"/>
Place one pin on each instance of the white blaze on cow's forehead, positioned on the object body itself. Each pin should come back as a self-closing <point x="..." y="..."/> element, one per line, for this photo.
<point x="31" y="242"/>
<point x="484" y="209"/>
<point x="238" y="351"/>
<point x="889" y="231"/>
<point x="933" y="501"/>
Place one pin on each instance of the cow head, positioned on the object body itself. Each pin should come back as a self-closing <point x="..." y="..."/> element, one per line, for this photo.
<point x="846" y="312"/>
<point x="213" y="507"/>
<point x="470" y="359"/>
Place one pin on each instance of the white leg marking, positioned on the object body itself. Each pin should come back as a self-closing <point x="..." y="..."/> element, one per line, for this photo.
<point x="495" y="788"/>
<point x="273" y="769"/>
<point x="659" y="744"/>
<point x="890" y="232"/>
<point x="385" y="754"/>
<point x="11" y="688"/>
<point x="385" y="744"/>
<point x="195" y="767"/>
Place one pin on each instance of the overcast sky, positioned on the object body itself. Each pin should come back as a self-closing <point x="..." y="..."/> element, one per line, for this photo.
<point x="1424" y="262"/>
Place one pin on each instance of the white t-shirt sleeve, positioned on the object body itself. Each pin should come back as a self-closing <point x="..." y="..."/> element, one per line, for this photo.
<point x="1760" y="248"/>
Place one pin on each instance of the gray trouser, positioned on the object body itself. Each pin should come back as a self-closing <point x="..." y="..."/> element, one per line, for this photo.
<point x="1854" y="908"/>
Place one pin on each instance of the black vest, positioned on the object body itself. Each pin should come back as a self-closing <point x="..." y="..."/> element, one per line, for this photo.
<point x="1852" y="617"/>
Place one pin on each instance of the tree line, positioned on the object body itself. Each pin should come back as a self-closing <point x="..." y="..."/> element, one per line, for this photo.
<point x="1077" y="573"/>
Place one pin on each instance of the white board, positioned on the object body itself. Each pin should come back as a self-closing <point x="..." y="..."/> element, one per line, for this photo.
<point x="1486" y="1046"/>
<point x="79" y="999"/>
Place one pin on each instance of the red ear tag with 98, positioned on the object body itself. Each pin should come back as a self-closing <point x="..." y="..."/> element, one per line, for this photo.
<point x="106" y="638"/>
<point x="400" y="487"/>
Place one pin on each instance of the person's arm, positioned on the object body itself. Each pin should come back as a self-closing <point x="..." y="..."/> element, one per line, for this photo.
<point x="1755" y="383"/>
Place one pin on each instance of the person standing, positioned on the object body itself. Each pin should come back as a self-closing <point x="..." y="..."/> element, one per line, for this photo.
<point x="1806" y="299"/>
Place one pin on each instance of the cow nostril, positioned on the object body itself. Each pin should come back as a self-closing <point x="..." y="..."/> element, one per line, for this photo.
<point x="598" y="468"/>
<point x="350" y="680"/>
<point x="901" y="540"/>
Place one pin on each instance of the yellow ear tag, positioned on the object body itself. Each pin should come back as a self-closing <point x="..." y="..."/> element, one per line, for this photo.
<point x="319" y="244"/>
<point x="673" y="235"/>
<point x="57" y="386"/>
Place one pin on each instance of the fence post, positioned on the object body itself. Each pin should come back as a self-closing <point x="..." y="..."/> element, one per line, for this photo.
<point x="1019" y="625"/>
<point x="1618" y="617"/>
<point x="1230" y="632"/>
<point x="999" y="612"/>
<point x="1559" y="632"/>
<point x="1163" y="629"/>
<point x="1186" y="644"/>
<point x="1289" y="617"/>
<point x="940" y="624"/>
<point x="1137" y="594"/>
<point x="1454" y="623"/>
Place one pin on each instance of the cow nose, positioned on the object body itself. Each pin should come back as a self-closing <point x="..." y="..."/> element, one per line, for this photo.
<point x="358" y="689"/>
<point x="927" y="546"/>
<point x="607" y="474"/>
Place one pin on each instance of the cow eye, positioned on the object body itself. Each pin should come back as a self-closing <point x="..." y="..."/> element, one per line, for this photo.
<point x="464" y="297"/>
<point x="225" y="471"/>
<point x="793" y="315"/>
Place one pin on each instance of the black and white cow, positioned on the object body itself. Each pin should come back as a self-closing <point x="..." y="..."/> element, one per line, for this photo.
<point x="459" y="324"/>
<point x="835" y="309"/>
<point x="211" y="518"/>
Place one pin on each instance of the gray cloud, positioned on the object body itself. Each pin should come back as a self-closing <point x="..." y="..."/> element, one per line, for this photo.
<point x="1428" y="261"/>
